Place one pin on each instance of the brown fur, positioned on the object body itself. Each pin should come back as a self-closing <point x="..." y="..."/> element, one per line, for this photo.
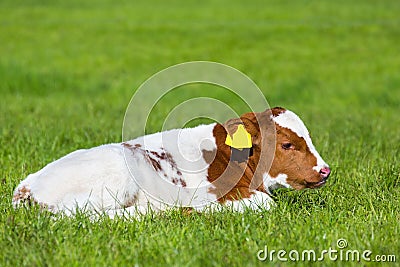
<point x="234" y="180"/>
<point x="294" y="162"/>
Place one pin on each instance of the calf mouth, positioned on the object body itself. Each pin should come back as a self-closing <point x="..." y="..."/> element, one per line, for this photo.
<point x="317" y="184"/>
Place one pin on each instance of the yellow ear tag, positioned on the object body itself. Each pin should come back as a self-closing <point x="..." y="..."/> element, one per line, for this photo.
<point x="240" y="139"/>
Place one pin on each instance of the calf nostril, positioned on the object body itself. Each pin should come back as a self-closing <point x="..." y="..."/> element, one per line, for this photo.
<point x="325" y="171"/>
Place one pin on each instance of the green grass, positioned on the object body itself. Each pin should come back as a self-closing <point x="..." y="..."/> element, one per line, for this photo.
<point x="68" y="70"/>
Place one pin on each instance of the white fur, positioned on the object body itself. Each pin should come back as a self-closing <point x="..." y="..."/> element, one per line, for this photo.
<point x="272" y="183"/>
<point x="185" y="146"/>
<point x="88" y="178"/>
<point x="98" y="178"/>
<point x="257" y="201"/>
<point x="290" y="120"/>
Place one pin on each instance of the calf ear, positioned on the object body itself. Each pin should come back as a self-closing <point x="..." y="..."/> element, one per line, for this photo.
<point x="275" y="111"/>
<point x="250" y="121"/>
<point x="239" y="139"/>
<point x="231" y="126"/>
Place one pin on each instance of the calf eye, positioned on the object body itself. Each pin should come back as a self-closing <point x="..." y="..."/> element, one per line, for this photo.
<point x="287" y="146"/>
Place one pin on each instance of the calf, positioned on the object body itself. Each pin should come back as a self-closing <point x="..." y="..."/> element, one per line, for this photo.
<point x="197" y="167"/>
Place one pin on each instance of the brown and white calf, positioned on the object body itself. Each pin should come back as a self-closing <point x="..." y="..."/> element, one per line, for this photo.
<point x="186" y="167"/>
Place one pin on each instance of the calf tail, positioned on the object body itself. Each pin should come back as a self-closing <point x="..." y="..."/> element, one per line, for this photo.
<point x="22" y="194"/>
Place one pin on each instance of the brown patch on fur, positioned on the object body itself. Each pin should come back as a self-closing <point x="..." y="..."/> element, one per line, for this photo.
<point x="235" y="180"/>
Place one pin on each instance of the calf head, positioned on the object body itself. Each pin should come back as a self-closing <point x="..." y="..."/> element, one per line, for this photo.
<point x="282" y="153"/>
<point x="296" y="163"/>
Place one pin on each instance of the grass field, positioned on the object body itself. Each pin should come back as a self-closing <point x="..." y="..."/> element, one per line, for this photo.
<point x="68" y="70"/>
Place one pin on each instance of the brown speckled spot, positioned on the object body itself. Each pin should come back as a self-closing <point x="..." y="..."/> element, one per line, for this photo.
<point x="126" y="145"/>
<point x="130" y="201"/>
<point x="23" y="195"/>
<point x="156" y="164"/>
<point x="157" y="159"/>
<point x="183" y="183"/>
<point x="130" y="146"/>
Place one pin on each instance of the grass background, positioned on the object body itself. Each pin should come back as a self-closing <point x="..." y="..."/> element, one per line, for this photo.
<point x="68" y="70"/>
